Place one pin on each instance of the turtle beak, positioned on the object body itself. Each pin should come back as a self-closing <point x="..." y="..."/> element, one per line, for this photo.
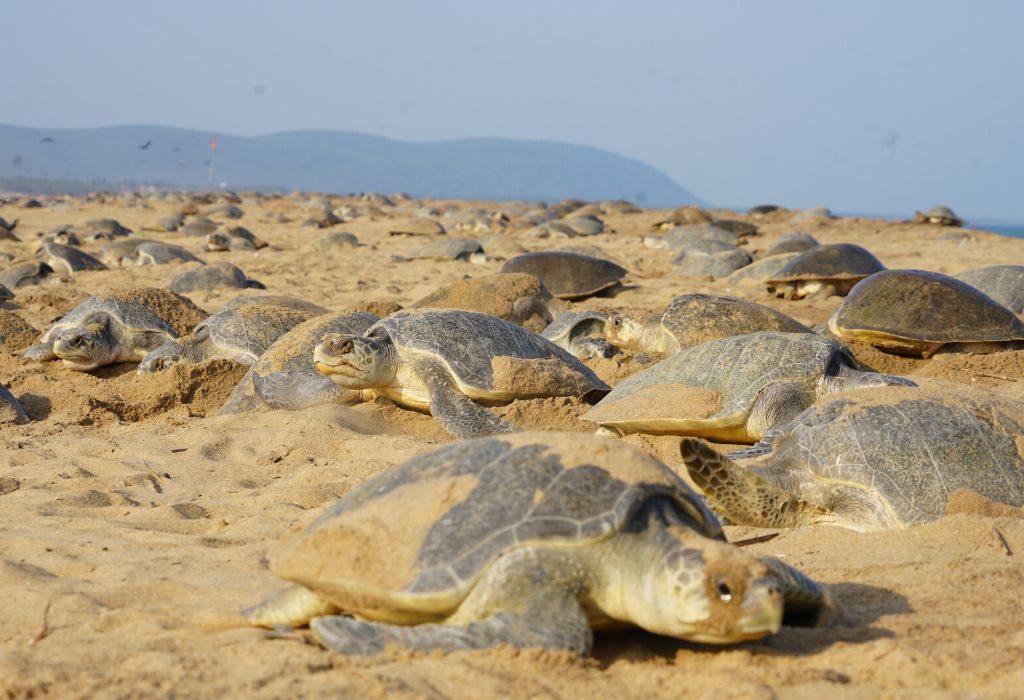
<point x="762" y="610"/>
<point x="333" y="354"/>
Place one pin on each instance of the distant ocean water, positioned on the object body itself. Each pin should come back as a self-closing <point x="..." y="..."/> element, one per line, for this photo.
<point x="1015" y="230"/>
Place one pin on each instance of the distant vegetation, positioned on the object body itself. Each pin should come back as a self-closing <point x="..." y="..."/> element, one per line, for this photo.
<point x="46" y="160"/>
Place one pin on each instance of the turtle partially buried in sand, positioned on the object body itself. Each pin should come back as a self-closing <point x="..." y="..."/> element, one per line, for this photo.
<point x="916" y="312"/>
<point x="241" y="331"/>
<point x="1004" y="283"/>
<point x="581" y="333"/>
<point x="734" y="389"/>
<point x="120" y="326"/>
<point x="530" y="540"/>
<point x="568" y="275"/>
<point x="871" y="461"/>
<point x="284" y="376"/>
<point x="442" y="361"/>
<point x="690" y="319"/>
<point x="515" y="296"/>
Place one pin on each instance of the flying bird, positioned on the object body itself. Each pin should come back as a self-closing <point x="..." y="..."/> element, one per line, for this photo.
<point x="145" y="145"/>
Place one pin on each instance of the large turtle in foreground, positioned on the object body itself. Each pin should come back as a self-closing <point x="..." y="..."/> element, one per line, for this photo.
<point x="530" y="540"/>
<point x="442" y="360"/>
<point x="284" y="376"/>
<point x="871" y="460"/>
<point x="733" y="389"/>
<point x="690" y="319"/>
<point x="120" y="326"/>
<point x="916" y="312"/>
<point x="241" y="331"/>
<point x="824" y="271"/>
<point x="1004" y="283"/>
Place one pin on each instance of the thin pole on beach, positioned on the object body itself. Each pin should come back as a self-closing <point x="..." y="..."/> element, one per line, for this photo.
<point x="213" y="158"/>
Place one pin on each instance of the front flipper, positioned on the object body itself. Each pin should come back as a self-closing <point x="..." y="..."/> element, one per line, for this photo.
<point x="551" y="624"/>
<point x="292" y="391"/>
<point x="455" y="411"/>
<point x="294" y="606"/>
<point x="40" y="352"/>
<point x="737" y="493"/>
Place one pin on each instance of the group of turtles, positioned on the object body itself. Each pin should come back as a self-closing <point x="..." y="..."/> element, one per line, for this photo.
<point x="536" y="539"/>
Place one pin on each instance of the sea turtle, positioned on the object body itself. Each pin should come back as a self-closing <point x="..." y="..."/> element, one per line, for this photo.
<point x="167" y="224"/>
<point x="499" y="246"/>
<point x="416" y="227"/>
<point x="682" y="237"/>
<point x="199" y="227"/>
<point x="284" y="376"/>
<point x="551" y="229"/>
<point x="224" y="211"/>
<point x="10" y="410"/>
<point x="743" y="229"/>
<point x="121" y="251"/>
<point x="812" y="214"/>
<point x="762" y="269"/>
<point x="120" y="326"/>
<point x="24" y="274"/>
<point x="514" y="296"/>
<point x="59" y="256"/>
<point x="529" y="540"/>
<point x="870" y="461"/>
<point x="160" y="253"/>
<point x="915" y="312"/>
<point x="241" y="331"/>
<point x="210" y="277"/>
<point x="710" y="258"/>
<point x="681" y="216"/>
<point x="234" y="238"/>
<point x="795" y="242"/>
<point x="441" y="360"/>
<point x="581" y="333"/>
<point x="568" y="275"/>
<point x="335" y="239"/>
<point x="324" y="218"/>
<point x="447" y="248"/>
<point x="826" y="270"/>
<point x="1004" y="283"/>
<point x="733" y="389"/>
<point x="762" y="209"/>
<point x="5" y="293"/>
<point x="102" y="228"/>
<point x="691" y="319"/>
<point x="7" y="230"/>
<point x="941" y="216"/>
<point x="586" y="225"/>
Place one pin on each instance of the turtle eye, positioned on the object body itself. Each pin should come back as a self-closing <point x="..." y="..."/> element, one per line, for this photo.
<point x="617" y="322"/>
<point x="724" y="590"/>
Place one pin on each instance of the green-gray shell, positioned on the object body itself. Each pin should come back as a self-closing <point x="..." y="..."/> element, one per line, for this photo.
<point x="471" y="346"/>
<point x="711" y="258"/>
<point x="568" y="275"/>
<point x="697" y="318"/>
<point x="284" y="375"/>
<point x="924" y="306"/>
<point x="466" y="504"/>
<point x="250" y="325"/>
<point x="1004" y="283"/>
<point x="910" y="448"/>
<point x="210" y="277"/>
<point x="795" y="242"/>
<point x="131" y="316"/>
<point x="760" y="270"/>
<point x="832" y="261"/>
<point x="725" y="377"/>
<point x="573" y="324"/>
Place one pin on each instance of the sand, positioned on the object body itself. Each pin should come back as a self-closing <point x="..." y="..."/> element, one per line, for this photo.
<point x="135" y="522"/>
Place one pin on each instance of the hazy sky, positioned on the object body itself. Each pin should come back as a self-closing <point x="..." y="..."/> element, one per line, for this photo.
<point x="860" y="106"/>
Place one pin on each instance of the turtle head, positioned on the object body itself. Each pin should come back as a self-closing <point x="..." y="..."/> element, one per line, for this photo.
<point x="706" y="590"/>
<point x="86" y="347"/>
<point x="218" y="242"/>
<point x="622" y="330"/>
<point x="356" y="362"/>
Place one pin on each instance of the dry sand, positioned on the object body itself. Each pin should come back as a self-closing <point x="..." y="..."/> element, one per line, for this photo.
<point x="134" y="522"/>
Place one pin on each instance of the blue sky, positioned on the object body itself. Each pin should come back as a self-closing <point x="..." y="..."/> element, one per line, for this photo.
<point x="878" y="107"/>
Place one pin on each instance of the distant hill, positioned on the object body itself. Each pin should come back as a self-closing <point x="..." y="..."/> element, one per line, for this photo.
<point x="333" y="161"/>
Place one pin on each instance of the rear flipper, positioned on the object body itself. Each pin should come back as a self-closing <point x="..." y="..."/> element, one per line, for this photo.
<point x="739" y="494"/>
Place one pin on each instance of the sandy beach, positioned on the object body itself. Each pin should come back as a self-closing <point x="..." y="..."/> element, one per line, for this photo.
<point x="135" y="522"/>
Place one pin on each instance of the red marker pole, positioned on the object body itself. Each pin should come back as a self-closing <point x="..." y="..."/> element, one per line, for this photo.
<point x="213" y="156"/>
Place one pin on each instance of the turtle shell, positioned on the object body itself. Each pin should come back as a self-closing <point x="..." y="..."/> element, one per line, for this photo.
<point x="709" y="389"/>
<point x="492" y="294"/>
<point x="568" y="275"/>
<point x="913" y="308"/>
<point x="489" y="358"/>
<point x="760" y="270"/>
<point x="210" y="277"/>
<point x="247" y="326"/>
<point x="136" y="310"/>
<point x="697" y="318"/>
<point x="1004" y="283"/>
<point x="571" y="324"/>
<point x="912" y="449"/>
<point x="463" y="506"/>
<point x="835" y="261"/>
